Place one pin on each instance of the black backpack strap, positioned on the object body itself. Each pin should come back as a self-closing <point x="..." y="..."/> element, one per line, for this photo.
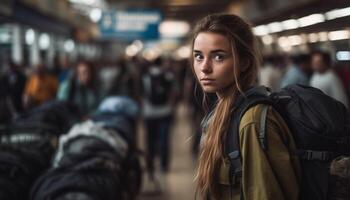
<point x="254" y="96"/>
<point x="235" y="169"/>
<point x="262" y="130"/>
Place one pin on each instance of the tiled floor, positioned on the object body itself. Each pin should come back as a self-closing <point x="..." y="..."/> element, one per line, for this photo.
<point x="178" y="183"/>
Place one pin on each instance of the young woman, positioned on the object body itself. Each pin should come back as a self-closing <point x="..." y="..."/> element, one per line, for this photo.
<point x="81" y="88"/>
<point x="225" y="62"/>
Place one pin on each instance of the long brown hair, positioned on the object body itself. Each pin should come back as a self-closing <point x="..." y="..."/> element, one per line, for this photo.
<point x="246" y="61"/>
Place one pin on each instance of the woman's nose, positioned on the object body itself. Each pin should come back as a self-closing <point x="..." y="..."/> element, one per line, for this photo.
<point x="206" y="66"/>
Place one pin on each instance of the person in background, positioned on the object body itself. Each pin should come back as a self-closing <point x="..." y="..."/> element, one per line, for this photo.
<point x="298" y="72"/>
<point x="158" y="109"/>
<point x="270" y="75"/>
<point x="64" y="69"/>
<point x="81" y="88"/>
<point x="124" y="82"/>
<point x="40" y="87"/>
<point x="12" y="84"/>
<point x="108" y="72"/>
<point x="325" y="79"/>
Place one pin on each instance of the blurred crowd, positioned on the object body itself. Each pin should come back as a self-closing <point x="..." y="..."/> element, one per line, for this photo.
<point x="157" y="86"/>
<point x="315" y="69"/>
<point x="85" y="82"/>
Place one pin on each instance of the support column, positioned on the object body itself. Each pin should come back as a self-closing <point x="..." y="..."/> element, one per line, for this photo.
<point x="34" y="54"/>
<point x="51" y="52"/>
<point x="60" y="47"/>
<point x="17" y="44"/>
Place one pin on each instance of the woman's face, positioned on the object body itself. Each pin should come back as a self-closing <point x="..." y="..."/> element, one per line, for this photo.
<point x="83" y="74"/>
<point x="317" y="63"/>
<point x="213" y="62"/>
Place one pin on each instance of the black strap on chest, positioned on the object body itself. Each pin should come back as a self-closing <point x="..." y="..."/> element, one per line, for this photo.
<point x="252" y="97"/>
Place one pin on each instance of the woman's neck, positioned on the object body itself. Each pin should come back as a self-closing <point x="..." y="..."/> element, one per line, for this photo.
<point x="228" y="91"/>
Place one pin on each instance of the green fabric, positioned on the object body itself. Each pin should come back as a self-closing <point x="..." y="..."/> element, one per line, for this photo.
<point x="267" y="174"/>
<point x="84" y="98"/>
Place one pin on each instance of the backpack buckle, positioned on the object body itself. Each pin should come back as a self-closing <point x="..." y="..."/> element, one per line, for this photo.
<point x="236" y="176"/>
<point x="235" y="171"/>
<point x="317" y="155"/>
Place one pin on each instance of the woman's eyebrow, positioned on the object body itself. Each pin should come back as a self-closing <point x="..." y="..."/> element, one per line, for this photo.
<point x="213" y="51"/>
<point x="218" y="51"/>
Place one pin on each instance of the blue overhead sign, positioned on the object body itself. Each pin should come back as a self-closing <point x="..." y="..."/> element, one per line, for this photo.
<point x="130" y="24"/>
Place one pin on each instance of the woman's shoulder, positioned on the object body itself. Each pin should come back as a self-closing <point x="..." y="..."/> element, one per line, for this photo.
<point x="254" y="114"/>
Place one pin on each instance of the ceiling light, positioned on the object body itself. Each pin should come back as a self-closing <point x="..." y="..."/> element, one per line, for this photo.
<point x="138" y="44"/>
<point x="134" y="48"/>
<point x="338" y="35"/>
<point x="290" y="24"/>
<point x="69" y="46"/>
<point x="337" y="13"/>
<point x="151" y="54"/>
<point x="184" y="52"/>
<point x="343" y="55"/>
<point x="284" y="43"/>
<point x="267" y="39"/>
<point x="5" y="37"/>
<point x="303" y="38"/>
<point x="173" y="29"/>
<point x="323" y="36"/>
<point x="311" y="20"/>
<point x="86" y="2"/>
<point x="275" y="27"/>
<point x="261" y="30"/>
<point x="30" y="36"/>
<point x="313" y="37"/>
<point x="95" y="14"/>
<point x="295" y="40"/>
<point x="131" y="50"/>
<point x="44" y="41"/>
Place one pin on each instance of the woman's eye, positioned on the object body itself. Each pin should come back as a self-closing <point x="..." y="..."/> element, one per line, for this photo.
<point x="219" y="57"/>
<point x="198" y="57"/>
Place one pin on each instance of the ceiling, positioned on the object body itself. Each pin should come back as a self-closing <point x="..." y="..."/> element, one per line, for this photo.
<point x="298" y="9"/>
<point x="192" y="10"/>
<point x="259" y="12"/>
<point x="188" y="10"/>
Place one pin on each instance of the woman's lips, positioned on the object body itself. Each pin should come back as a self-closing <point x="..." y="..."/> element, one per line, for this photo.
<point x="207" y="81"/>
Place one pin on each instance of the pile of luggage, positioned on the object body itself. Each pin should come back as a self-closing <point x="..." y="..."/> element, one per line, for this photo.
<point x="50" y="153"/>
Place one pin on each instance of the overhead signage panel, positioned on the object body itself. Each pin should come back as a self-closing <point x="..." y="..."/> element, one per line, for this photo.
<point x="130" y="24"/>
